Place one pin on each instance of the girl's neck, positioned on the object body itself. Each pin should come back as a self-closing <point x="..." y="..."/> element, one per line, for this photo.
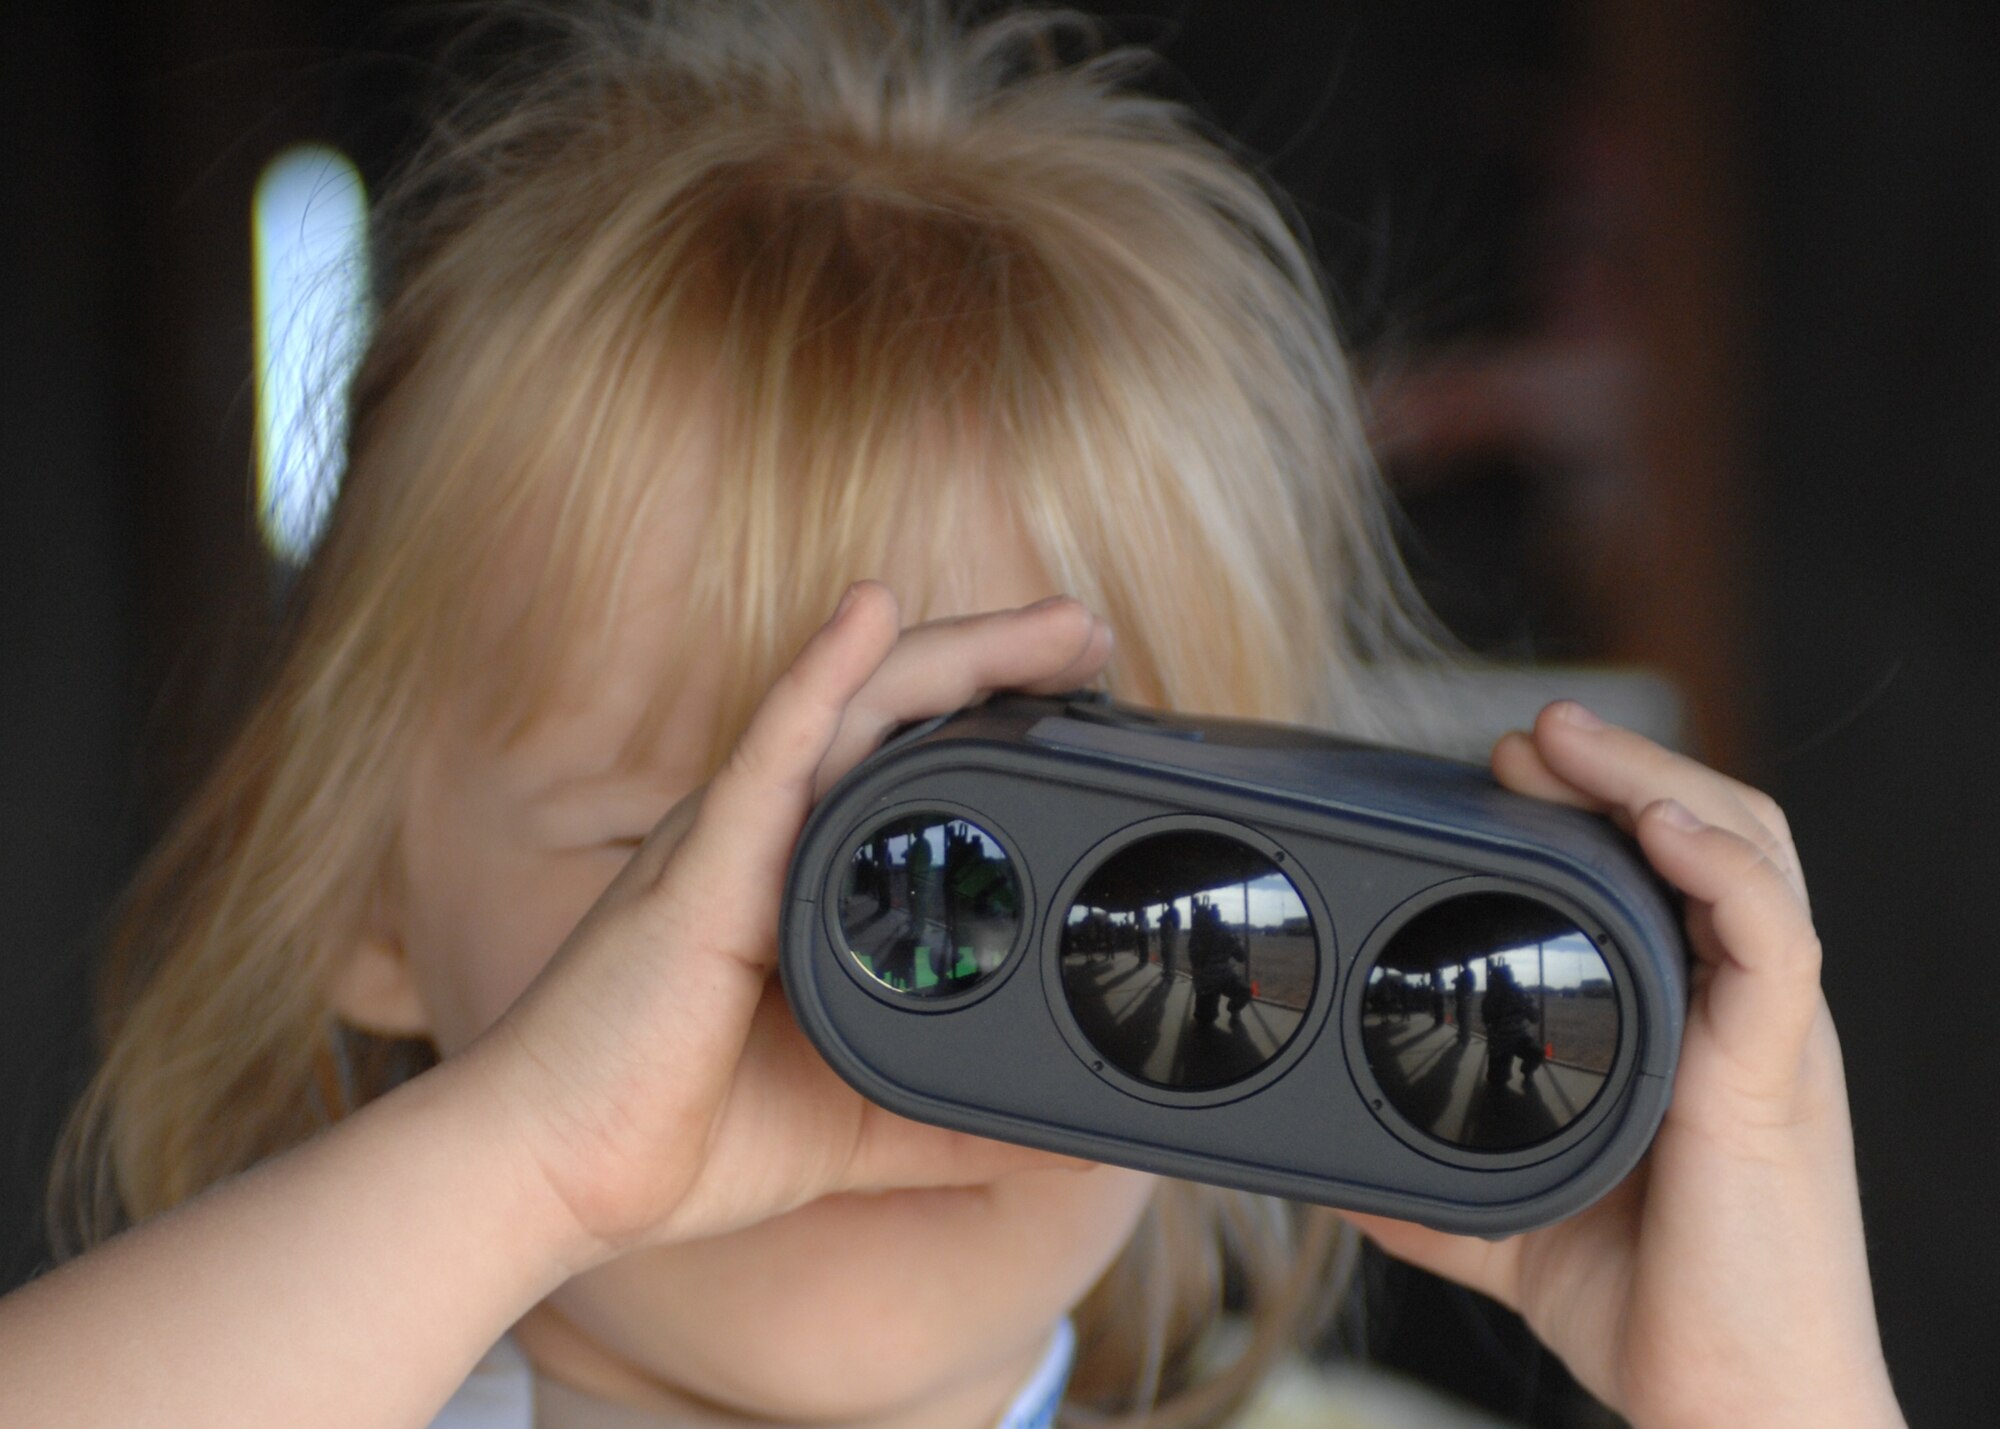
<point x="585" y="1386"/>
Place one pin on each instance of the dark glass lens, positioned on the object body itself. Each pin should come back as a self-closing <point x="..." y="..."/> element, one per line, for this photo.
<point x="1189" y="959"/>
<point x="931" y="905"/>
<point x="1490" y="1021"/>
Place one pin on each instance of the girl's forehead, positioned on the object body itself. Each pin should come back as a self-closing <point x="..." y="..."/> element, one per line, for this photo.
<point x="634" y="655"/>
<point x="587" y="667"/>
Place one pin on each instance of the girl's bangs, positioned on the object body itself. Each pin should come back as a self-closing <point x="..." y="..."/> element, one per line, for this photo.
<point x="798" y="381"/>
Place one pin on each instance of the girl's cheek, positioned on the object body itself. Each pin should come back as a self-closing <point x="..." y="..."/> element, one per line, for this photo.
<point x="482" y="948"/>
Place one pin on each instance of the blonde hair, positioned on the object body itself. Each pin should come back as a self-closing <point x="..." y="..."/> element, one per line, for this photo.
<point x="877" y="262"/>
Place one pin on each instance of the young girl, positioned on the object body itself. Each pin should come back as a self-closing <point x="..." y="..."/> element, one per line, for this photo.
<point x="701" y="320"/>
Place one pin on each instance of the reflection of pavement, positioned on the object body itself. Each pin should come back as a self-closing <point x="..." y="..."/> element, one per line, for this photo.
<point x="1144" y="1022"/>
<point x="873" y="938"/>
<point x="974" y="946"/>
<point x="1442" y="1086"/>
<point x="910" y="966"/>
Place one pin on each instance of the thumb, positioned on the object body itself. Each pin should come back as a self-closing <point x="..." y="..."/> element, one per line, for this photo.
<point x="1490" y="1267"/>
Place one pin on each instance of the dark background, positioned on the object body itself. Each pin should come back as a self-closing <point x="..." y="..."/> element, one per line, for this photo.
<point x="1681" y="328"/>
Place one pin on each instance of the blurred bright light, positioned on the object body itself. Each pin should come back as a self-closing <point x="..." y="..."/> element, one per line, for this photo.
<point x="309" y="230"/>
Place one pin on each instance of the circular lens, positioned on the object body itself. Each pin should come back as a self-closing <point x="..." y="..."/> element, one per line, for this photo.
<point x="1188" y="959"/>
<point x="931" y="905"/>
<point x="1490" y="1021"/>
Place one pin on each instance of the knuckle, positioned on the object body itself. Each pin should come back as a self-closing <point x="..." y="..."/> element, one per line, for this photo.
<point x="1751" y="872"/>
<point x="1072" y="613"/>
<point x="1774" y="849"/>
<point x="781" y="746"/>
<point x="1752" y="864"/>
<point x="750" y="775"/>
<point x="1760" y="862"/>
<point x="1765" y="810"/>
<point x="861" y="735"/>
<point x="1660" y="759"/>
<point x="1801" y="955"/>
<point x="744" y="766"/>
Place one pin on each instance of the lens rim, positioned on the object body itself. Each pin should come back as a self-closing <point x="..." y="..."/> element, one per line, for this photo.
<point x="836" y="936"/>
<point x="1326" y="976"/>
<point x="1610" y="1098"/>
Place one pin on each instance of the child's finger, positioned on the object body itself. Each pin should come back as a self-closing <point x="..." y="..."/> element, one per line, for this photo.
<point x="1518" y="764"/>
<point x="945" y="665"/>
<point x="740" y="842"/>
<point x="893" y="1152"/>
<point x="1764" y="997"/>
<point x="1490" y="1267"/>
<point x="1624" y="771"/>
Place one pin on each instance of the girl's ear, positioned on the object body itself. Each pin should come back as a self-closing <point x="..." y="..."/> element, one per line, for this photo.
<point x="374" y="990"/>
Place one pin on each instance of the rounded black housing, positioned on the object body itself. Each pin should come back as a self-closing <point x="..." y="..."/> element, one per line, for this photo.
<point x="1242" y="953"/>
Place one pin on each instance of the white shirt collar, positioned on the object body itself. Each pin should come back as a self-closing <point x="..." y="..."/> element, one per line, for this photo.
<point x="500" y="1393"/>
<point x="1035" y="1406"/>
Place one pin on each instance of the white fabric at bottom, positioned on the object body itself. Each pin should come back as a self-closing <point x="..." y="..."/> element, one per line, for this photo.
<point x="500" y="1393"/>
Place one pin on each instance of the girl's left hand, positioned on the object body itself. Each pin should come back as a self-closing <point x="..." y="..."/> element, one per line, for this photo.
<point x="1726" y="1280"/>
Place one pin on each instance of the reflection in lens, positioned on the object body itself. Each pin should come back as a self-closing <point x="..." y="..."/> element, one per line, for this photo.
<point x="931" y="905"/>
<point x="1490" y="1021"/>
<point x="1188" y="959"/>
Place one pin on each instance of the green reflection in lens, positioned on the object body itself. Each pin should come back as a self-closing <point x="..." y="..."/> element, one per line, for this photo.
<point x="931" y="905"/>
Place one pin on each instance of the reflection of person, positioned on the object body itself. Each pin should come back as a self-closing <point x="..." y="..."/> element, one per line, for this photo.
<point x="1437" y="998"/>
<point x="1213" y="953"/>
<point x="1461" y="992"/>
<point x="957" y="854"/>
<point x="878" y="862"/>
<point x="680" y="337"/>
<point x="1170" y="928"/>
<point x="897" y="963"/>
<point x="927" y="911"/>
<point x="1508" y="1013"/>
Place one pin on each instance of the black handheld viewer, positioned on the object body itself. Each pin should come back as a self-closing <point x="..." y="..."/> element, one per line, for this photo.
<point x="1240" y="953"/>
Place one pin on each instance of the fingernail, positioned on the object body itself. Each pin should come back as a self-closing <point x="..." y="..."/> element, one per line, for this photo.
<point x="1048" y="600"/>
<point x="845" y="601"/>
<point x="1573" y="713"/>
<point x="1679" y="815"/>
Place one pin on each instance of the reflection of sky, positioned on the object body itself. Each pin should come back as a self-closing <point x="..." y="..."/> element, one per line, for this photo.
<point x="1563" y="962"/>
<point x="933" y="834"/>
<point x="1272" y="902"/>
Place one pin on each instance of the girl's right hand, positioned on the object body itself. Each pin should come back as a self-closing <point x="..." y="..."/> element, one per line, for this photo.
<point x="652" y="1072"/>
<point x="648" y="1086"/>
